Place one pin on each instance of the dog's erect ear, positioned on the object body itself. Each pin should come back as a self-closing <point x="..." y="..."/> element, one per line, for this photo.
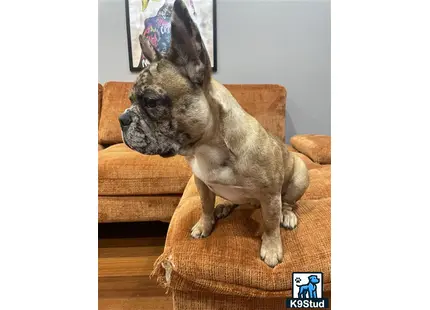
<point x="187" y="50"/>
<point x="148" y="50"/>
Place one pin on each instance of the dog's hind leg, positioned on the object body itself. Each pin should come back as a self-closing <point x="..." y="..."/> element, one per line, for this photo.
<point x="224" y="209"/>
<point x="289" y="218"/>
<point x="296" y="187"/>
<point x="289" y="199"/>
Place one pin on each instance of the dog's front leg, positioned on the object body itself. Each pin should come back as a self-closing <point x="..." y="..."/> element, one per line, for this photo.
<point x="271" y="247"/>
<point x="204" y="226"/>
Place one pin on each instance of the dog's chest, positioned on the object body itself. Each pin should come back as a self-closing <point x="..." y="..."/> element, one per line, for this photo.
<point x="210" y="168"/>
<point x="218" y="177"/>
<point x="235" y="194"/>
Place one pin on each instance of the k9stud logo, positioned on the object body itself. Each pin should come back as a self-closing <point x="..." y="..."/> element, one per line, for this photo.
<point x="307" y="291"/>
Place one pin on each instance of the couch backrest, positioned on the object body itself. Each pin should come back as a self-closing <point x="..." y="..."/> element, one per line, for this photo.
<point x="266" y="102"/>
<point x="115" y="101"/>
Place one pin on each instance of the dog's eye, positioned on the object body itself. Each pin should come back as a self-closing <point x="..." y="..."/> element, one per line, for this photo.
<point x="139" y="98"/>
<point x="150" y="102"/>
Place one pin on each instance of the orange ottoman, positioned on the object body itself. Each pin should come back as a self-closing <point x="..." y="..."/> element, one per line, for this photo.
<point x="224" y="270"/>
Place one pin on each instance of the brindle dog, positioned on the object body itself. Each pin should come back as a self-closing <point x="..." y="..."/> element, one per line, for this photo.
<point x="177" y="108"/>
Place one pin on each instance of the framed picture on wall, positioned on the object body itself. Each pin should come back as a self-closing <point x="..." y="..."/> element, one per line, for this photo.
<point x="151" y="19"/>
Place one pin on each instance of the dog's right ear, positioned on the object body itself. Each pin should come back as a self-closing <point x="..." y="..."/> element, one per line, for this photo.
<point x="148" y="50"/>
<point x="187" y="50"/>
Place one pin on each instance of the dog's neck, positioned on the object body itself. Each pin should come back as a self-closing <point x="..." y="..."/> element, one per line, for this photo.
<point x="228" y="122"/>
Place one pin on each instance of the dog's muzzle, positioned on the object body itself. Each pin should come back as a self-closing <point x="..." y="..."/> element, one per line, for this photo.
<point x="142" y="143"/>
<point x="125" y="120"/>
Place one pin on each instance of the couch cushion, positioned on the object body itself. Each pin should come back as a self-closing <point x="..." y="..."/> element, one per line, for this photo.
<point x="137" y="208"/>
<point x="317" y="147"/>
<point x="265" y="102"/>
<point x="126" y="172"/>
<point x="115" y="101"/>
<point x="228" y="261"/>
<point x="198" y="300"/>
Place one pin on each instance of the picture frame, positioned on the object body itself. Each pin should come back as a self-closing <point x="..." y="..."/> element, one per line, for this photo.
<point x="151" y="19"/>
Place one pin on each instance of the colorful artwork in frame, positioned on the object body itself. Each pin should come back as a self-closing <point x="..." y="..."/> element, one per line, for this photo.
<point x="151" y="19"/>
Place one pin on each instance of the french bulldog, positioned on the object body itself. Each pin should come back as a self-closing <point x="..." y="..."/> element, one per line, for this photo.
<point x="177" y="108"/>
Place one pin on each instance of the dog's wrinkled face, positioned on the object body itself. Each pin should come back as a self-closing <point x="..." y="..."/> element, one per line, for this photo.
<point x="169" y="111"/>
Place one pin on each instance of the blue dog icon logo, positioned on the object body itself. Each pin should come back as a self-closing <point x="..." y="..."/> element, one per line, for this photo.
<point x="309" y="290"/>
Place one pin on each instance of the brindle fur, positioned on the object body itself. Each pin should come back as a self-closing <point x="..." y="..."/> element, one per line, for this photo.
<point x="178" y="108"/>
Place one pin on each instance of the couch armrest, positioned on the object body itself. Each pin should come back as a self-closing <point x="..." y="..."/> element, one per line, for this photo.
<point x="316" y="147"/>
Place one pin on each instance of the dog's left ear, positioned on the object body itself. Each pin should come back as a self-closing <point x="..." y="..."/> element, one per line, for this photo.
<point x="187" y="50"/>
<point x="149" y="50"/>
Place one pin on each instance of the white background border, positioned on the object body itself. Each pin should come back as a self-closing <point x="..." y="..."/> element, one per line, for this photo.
<point x="48" y="155"/>
<point x="380" y="130"/>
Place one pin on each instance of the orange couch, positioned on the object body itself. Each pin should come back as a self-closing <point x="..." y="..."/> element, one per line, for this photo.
<point x="135" y="187"/>
<point x="223" y="271"/>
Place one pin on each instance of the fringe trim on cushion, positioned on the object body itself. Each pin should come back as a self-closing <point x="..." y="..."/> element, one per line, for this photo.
<point x="163" y="267"/>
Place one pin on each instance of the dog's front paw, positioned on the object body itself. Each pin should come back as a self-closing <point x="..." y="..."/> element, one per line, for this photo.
<point x="288" y="219"/>
<point x="202" y="228"/>
<point x="271" y="250"/>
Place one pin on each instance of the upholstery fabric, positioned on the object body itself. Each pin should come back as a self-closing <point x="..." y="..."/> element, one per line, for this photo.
<point x="228" y="262"/>
<point x="265" y="102"/>
<point x="317" y="147"/>
<point x="137" y="208"/>
<point x="123" y="171"/>
<point x="206" y="301"/>
<point x="115" y="101"/>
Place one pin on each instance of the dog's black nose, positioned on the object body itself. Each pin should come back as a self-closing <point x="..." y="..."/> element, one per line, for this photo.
<point x="125" y="119"/>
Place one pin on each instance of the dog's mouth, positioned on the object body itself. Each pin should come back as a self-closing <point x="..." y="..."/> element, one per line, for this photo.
<point x="147" y="148"/>
<point x="144" y="151"/>
<point x="139" y="137"/>
<point x="167" y="154"/>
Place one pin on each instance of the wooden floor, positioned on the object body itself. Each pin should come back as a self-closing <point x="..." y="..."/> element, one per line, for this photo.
<point x="127" y="253"/>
